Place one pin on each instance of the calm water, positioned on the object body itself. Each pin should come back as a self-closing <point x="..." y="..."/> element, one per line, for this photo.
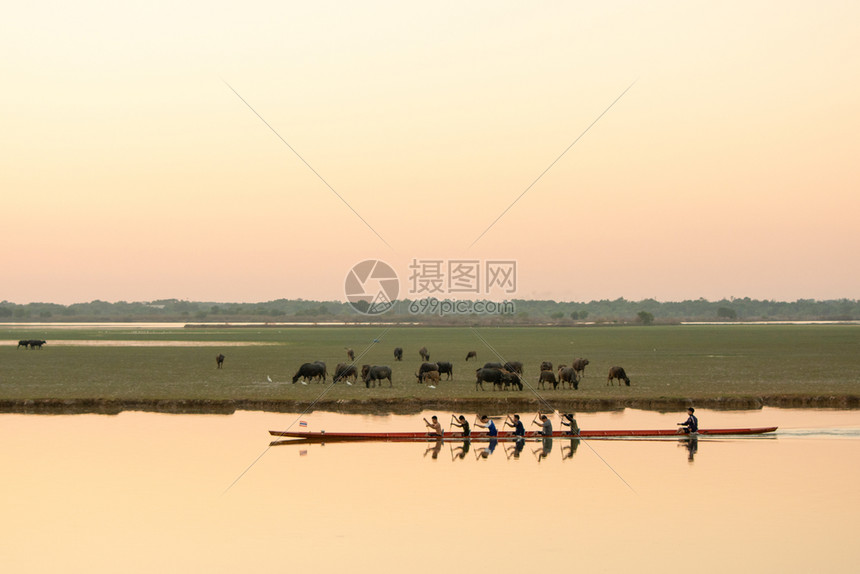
<point x="144" y="492"/>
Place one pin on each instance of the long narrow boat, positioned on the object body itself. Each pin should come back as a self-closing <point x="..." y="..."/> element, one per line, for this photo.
<point x="323" y="436"/>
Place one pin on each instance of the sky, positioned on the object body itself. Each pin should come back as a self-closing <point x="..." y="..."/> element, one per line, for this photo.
<point x="214" y="151"/>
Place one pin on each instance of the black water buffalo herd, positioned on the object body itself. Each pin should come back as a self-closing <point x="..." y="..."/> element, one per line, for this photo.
<point x="508" y="375"/>
<point x="31" y="343"/>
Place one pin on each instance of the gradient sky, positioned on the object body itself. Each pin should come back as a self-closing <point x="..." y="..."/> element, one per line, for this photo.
<point x="129" y="169"/>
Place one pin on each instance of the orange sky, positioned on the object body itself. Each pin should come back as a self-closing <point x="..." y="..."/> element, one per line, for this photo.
<point x="131" y="171"/>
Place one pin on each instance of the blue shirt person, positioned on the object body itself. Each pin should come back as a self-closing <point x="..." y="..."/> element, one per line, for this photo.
<point x="690" y="425"/>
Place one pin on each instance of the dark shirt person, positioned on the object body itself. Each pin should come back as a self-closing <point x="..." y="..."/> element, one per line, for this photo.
<point x="519" y="429"/>
<point x="463" y="424"/>
<point x="568" y="421"/>
<point x="691" y="425"/>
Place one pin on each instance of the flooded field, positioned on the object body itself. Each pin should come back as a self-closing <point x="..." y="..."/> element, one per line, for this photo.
<point x="143" y="492"/>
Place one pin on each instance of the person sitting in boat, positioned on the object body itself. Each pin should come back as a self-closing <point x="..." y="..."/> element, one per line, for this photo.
<point x="568" y="421"/>
<point x="545" y="424"/>
<point x="691" y="425"/>
<point x="437" y="428"/>
<point x="487" y="423"/>
<point x="463" y="424"/>
<point x="519" y="429"/>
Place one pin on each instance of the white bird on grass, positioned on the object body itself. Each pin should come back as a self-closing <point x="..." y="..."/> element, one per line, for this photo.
<point x="270" y="378"/>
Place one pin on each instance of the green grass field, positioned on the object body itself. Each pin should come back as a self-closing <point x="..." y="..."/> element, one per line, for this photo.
<point x="672" y="362"/>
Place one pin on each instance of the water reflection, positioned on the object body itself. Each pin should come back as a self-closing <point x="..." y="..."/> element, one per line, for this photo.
<point x="103" y="489"/>
<point x="569" y="451"/>
<point x="692" y="445"/>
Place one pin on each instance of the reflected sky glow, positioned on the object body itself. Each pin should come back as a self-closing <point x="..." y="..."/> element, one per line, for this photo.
<point x="147" y="491"/>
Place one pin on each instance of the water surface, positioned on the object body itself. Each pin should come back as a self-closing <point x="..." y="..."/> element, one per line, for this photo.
<point x="141" y="492"/>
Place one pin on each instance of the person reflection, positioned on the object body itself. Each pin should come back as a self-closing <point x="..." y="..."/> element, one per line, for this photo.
<point x="461" y="451"/>
<point x="569" y="451"/>
<point x="488" y="450"/>
<point x="516" y="449"/>
<point x="434" y="449"/>
<point x="545" y="449"/>
<point x="692" y="445"/>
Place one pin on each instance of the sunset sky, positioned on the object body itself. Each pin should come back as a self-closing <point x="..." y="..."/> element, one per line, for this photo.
<point x="131" y="170"/>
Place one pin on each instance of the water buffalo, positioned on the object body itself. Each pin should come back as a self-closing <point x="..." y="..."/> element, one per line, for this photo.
<point x="425" y="355"/>
<point x="546" y="366"/>
<point x="25" y="343"/>
<point x="514" y="367"/>
<point x="511" y="379"/>
<point x="567" y="375"/>
<point x="617" y="373"/>
<point x="350" y="354"/>
<point x="426" y="368"/>
<point x="219" y="361"/>
<point x="345" y="372"/>
<point x="431" y="376"/>
<point x="446" y="368"/>
<point x="398" y="353"/>
<point x="472" y="355"/>
<point x="547" y="377"/>
<point x="497" y="377"/>
<point x="579" y="367"/>
<point x="375" y="373"/>
<point x="310" y="371"/>
<point x="36" y="344"/>
<point x="493" y="366"/>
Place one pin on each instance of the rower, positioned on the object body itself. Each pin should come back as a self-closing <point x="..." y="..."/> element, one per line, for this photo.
<point x="691" y="425"/>
<point x="463" y="424"/>
<point x="519" y="429"/>
<point x="487" y="423"/>
<point x="437" y="428"/>
<point x="568" y="421"/>
<point x="546" y="425"/>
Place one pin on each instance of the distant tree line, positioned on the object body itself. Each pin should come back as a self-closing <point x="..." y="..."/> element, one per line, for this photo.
<point x="644" y="312"/>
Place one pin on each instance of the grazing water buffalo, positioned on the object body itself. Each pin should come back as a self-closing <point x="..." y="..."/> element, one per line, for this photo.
<point x="431" y="376"/>
<point x="345" y="372"/>
<point x="472" y="355"/>
<point x="36" y="344"/>
<point x="567" y="375"/>
<point x="579" y="367"/>
<point x="497" y="377"/>
<point x="310" y="371"/>
<point x="493" y="366"/>
<point x="446" y="368"/>
<point x="547" y="377"/>
<point x="426" y="368"/>
<point x="350" y="354"/>
<point x="514" y="367"/>
<point x="546" y="366"/>
<point x="425" y="356"/>
<point x="375" y="373"/>
<point x="398" y="353"/>
<point x="25" y="343"/>
<point x="617" y="373"/>
<point x="219" y="361"/>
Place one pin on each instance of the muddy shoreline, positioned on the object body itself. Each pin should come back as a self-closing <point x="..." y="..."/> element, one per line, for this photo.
<point x="413" y="406"/>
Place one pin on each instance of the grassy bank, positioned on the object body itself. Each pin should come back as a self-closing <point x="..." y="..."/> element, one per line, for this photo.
<point x="733" y="366"/>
